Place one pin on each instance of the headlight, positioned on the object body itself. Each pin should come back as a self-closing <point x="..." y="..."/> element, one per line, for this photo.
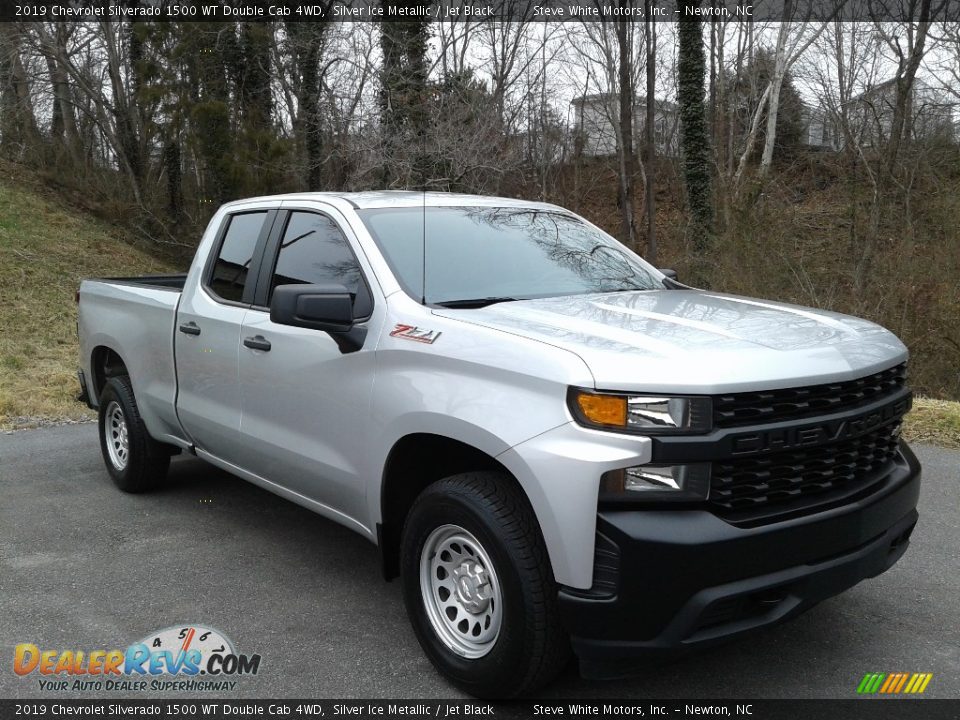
<point x="687" y="483"/>
<point x="644" y="414"/>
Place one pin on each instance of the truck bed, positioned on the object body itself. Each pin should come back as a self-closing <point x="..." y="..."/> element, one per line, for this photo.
<point x="135" y="317"/>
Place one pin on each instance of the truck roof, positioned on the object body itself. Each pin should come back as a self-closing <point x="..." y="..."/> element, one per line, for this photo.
<point x="408" y="198"/>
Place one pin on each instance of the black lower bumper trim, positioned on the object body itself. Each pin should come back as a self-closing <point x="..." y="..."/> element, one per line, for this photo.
<point x="688" y="579"/>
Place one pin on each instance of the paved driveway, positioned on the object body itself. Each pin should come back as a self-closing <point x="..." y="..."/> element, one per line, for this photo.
<point x="84" y="566"/>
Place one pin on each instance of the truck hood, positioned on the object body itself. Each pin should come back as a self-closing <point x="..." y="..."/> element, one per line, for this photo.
<point x="696" y="341"/>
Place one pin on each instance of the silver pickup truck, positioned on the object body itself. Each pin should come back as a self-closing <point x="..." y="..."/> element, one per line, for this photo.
<point x="554" y="445"/>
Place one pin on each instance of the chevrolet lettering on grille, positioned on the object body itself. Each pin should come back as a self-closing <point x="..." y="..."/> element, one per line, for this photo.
<point x="818" y="433"/>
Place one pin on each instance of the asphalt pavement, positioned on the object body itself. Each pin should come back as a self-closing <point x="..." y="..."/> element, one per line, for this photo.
<point x="84" y="566"/>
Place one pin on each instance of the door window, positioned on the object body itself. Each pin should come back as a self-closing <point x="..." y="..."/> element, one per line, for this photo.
<point x="229" y="277"/>
<point x="315" y="251"/>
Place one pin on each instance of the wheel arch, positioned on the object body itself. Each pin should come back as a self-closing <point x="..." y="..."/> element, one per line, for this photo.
<point x="416" y="461"/>
<point x="105" y="363"/>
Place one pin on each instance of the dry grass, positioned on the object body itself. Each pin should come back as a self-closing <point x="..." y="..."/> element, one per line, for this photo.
<point x="934" y="422"/>
<point x="46" y="248"/>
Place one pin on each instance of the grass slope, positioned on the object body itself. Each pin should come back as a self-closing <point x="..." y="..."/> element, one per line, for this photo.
<point x="46" y="248"/>
<point x="935" y="422"/>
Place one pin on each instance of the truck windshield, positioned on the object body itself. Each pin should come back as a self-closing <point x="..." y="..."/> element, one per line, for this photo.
<point x="476" y="256"/>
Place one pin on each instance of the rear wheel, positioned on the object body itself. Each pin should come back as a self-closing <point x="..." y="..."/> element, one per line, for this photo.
<point x="135" y="461"/>
<point x="478" y="586"/>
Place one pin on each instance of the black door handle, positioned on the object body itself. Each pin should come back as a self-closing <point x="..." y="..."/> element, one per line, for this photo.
<point x="259" y="342"/>
<point x="190" y="328"/>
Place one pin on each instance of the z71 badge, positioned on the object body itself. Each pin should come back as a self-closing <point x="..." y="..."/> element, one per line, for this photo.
<point x="412" y="332"/>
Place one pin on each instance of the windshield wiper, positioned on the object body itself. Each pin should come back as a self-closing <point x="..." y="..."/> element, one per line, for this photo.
<point x="475" y="302"/>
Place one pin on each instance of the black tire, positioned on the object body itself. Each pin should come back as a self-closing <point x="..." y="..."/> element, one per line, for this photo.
<point x="531" y="647"/>
<point x="147" y="460"/>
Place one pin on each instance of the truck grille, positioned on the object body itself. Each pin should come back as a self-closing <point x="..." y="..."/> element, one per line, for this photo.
<point x="750" y="408"/>
<point x="789" y="480"/>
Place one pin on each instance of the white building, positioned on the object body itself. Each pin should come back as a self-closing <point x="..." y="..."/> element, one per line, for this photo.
<point x="932" y="113"/>
<point x="596" y="118"/>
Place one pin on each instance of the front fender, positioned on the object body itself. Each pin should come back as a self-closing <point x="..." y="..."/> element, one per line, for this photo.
<point x="560" y="471"/>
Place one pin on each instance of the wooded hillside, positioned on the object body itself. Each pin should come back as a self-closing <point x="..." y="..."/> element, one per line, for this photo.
<point x="809" y="161"/>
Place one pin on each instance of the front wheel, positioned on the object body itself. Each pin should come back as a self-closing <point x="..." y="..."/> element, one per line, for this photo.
<point x="478" y="586"/>
<point x="135" y="461"/>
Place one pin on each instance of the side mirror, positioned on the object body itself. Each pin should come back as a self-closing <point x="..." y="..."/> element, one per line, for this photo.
<point x="672" y="274"/>
<point x="317" y="307"/>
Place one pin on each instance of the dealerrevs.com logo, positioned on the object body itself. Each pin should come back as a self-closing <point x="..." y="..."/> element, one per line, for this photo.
<point x="185" y="658"/>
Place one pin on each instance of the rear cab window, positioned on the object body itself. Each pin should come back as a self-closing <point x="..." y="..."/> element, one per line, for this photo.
<point x="228" y="278"/>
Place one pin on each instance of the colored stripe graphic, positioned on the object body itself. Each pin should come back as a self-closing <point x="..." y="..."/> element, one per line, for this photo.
<point x="903" y="679"/>
<point x="870" y="683"/>
<point x="890" y="682"/>
<point x="923" y="679"/>
<point x="894" y="683"/>
<point x="875" y="685"/>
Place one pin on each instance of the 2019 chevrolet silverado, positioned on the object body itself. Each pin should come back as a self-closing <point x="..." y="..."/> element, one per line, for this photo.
<point x="554" y="445"/>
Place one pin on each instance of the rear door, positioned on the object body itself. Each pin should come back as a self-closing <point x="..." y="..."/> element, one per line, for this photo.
<point x="207" y="333"/>
<point x="305" y="400"/>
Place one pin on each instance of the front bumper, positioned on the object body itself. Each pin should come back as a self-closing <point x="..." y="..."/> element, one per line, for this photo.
<point x="681" y="579"/>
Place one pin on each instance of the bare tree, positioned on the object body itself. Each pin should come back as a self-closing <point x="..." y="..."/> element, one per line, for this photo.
<point x="53" y="40"/>
<point x="306" y="47"/>
<point x="907" y="41"/>
<point x="627" y="158"/>
<point x="650" y="40"/>
<point x="695" y="143"/>
<point x="18" y="123"/>
<point x="69" y="73"/>
<point x="793" y="39"/>
<point x="608" y="52"/>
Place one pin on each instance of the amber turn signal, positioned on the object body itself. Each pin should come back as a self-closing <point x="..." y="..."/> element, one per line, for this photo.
<point x="603" y="409"/>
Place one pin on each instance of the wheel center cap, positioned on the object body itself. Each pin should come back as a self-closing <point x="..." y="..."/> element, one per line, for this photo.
<point x="472" y="586"/>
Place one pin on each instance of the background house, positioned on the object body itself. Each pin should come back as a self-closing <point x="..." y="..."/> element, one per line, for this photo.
<point x="930" y="110"/>
<point x="821" y="130"/>
<point x="595" y="130"/>
<point x="932" y="113"/>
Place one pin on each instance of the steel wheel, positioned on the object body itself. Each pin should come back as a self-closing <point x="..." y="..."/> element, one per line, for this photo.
<point x="478" y="586"/>
<point x="118" y="438"/>
<point x="136" y="462"/>
<point x="461" y="592"/>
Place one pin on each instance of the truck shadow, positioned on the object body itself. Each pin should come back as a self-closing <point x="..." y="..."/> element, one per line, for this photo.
<point x="329" y="579"/>
<point x="754" y="666"/>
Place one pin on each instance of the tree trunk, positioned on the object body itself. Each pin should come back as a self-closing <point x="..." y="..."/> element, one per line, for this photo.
<point x="785" y="57"/>
<point x="403" y="101"/>
<point x="63" y="122"/>
<point x="171" y="162"/>
<point x="651" y="159"/>
<point x="307" y="38"/>
<point x="695" y="144"/>
<point x="212" y="124"/>
<point x="773" y="97"/>
<point x="906" y="75"/>
<point x="18" y="124"/>
<point x="627" y="161"/>
<point x="123" y="107"/>
<point x="751" y="139"/>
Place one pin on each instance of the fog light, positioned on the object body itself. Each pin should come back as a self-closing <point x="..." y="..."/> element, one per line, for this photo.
<point x="685" y="483"/>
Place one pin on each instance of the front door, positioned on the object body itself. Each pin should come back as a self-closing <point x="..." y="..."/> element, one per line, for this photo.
<point x="304" y="399"/>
